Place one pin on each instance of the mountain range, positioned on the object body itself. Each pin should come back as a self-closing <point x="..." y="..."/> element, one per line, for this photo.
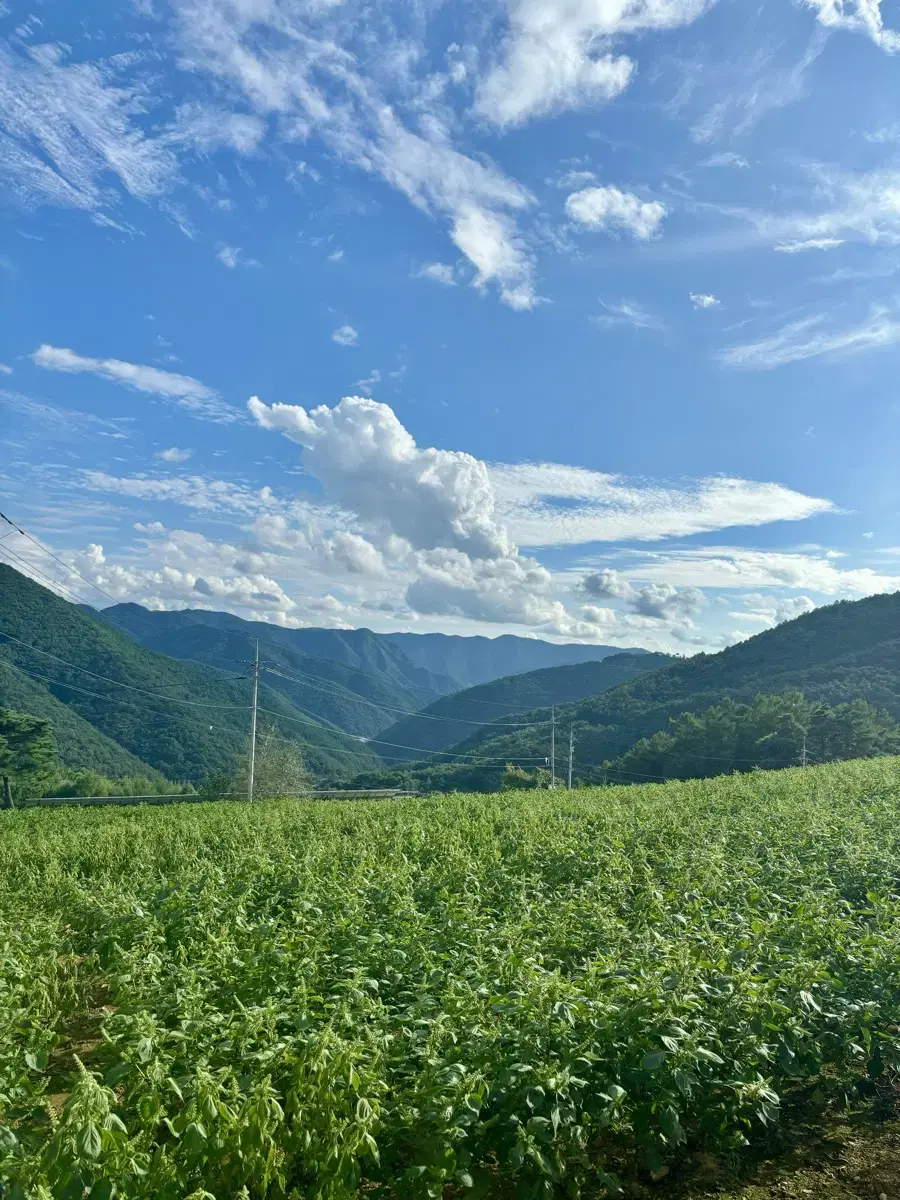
<point x="844" y="651"/>
<point x="134" y="691"/>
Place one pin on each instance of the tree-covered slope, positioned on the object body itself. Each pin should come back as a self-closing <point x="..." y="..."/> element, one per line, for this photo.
<point x="502" y="701"/>
<point x="183" y="718"/>
<point x="359" y="700"/>
<point x="842" y="652"/>
<point x="474" y="660"/>
<point x="360" y="651"/>
<point x="78" y="744"/>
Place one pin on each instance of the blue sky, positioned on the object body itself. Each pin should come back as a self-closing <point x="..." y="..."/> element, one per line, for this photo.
<point x="573" y="319"/>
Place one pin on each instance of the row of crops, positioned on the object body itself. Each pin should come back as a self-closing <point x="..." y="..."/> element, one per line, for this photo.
<point x="527" y="993"/>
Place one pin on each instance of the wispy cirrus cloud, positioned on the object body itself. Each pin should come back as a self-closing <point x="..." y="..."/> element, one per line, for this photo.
<point x="858" y="16"/>
<point x="550" y="504"/>
<point x="628" y="312"/>
<point x="812" y="338"/>
<point x="70" y="130"/>
<point x="183" y="390"/>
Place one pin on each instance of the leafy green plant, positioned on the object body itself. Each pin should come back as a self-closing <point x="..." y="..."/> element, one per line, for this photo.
<point x="299" y="999"/>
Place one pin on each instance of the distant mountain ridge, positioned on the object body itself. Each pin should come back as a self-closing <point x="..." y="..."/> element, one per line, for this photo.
<point x="841" y="652"/>
<point x="181" y="718"/>
<point x="473" y="660"/>
<point x="496" y="704"/>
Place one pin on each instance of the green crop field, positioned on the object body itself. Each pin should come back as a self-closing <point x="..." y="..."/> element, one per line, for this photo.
<point x="521" y="994"/>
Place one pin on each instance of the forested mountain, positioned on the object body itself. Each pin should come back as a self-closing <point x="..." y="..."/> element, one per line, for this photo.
<point x="842" y="652"/>
<point x="846" y="651"/>
<point x="357" y="650"/>
<point x="498" y="703"/>
<point x="77" y="741"/>
<point x="182" y="718"/>
<point x="362" y="692"/>
<point x="473" y="660"/>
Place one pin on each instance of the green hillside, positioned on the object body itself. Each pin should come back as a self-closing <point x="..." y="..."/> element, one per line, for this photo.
<point x="359" y="699"/>
<point x="473" y="660"/>
<point x="846" y="651"/>
<point x="184" y="719"/>
<point x="78" y="743"/>
<point x="360" y="652"/>
<point x="454" y="718"/>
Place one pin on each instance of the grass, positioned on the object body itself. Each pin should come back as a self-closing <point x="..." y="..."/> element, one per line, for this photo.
<point x="528" y="994"/>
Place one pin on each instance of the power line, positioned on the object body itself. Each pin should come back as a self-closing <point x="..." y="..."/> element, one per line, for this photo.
<point x="407" y="712"/>
<point x="118" y="683"/>
<point x="187" y="615"/>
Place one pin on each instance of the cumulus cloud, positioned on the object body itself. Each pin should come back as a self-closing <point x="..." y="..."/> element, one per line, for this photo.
<point x="610" y="210"/>
<point x="559" y="56"/>
<point x="703" y="300"/>
<point x="772" y="610"/>
<point x="346" y="335"/>
<point x="369" y="464"/>
<point x="174" y="455"/>
<point x="183" y="390"/>
<point x="659" y="601"/>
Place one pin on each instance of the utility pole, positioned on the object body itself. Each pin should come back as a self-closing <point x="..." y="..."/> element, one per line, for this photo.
<point x="253" y="724"/>
<point x="804" y="757"/>
<point x="571" y="752"/>
<point x="553" y="747"/>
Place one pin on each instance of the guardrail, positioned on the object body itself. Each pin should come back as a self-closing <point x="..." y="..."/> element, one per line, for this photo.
<point x="125" y="801"/>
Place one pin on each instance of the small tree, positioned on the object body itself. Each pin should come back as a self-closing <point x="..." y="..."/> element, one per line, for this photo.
<point x="26" y="754"/>
<point x="279" y="769"/>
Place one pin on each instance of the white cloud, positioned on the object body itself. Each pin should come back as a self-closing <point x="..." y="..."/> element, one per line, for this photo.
<point x="295" y="63"/>
<point x="772" y="610"/>
<point x="151" y="527"/>
<point x="550" y="504"/>
<point x="660" y="601"/>
<point x="185" y="391"/>
<point x="438" y="273"/>
<point x="52" y="420"/>
<point x="5" y="369"/>
<point x="174" y="455"/>
<point x="346" y="335"/>
<point x="730" y="567"/>
<point x="207" y="129"/>
<point x="66" y="131"/>
<point x="559" y="55"/>
<point x="861" y="16"/>
<point x="370" y="465"/>
<point x="822" y="243"/>
<point x="610" y="210"/>
<point x="627" y="312"/>
<point x="726" y="159"/>
<point x="193" y="491"/>
<point x="862" y="206"/>
<point x="703" y="300"/>
<point x="366" y="385"/>
<point x="805" y="339"/>
<point x="233" y="256"/>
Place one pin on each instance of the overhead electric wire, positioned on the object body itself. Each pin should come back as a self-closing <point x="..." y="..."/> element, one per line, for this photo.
<point x="405" y="711"/>
<point x="118" y="683"/>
